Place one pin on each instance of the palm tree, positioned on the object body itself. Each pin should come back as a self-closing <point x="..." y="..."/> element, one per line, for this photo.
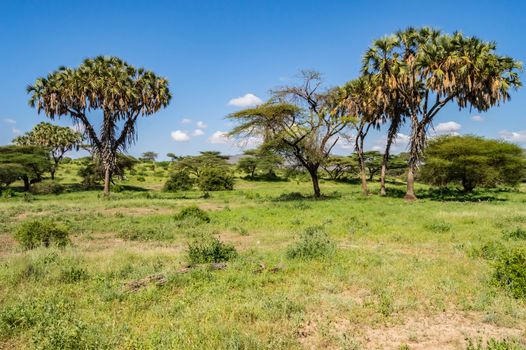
<point x="428" y="69"/>
<point x="120" y="91"/>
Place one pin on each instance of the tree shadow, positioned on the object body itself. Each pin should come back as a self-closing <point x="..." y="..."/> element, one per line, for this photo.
<point x="298" y="196"/>
<point x="450" y="195"/>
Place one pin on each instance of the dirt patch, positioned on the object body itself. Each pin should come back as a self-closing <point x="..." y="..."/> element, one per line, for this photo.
<point x="444" y="331"/>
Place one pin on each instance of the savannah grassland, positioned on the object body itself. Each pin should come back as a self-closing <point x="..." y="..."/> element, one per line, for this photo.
<point x="404" y="275"/>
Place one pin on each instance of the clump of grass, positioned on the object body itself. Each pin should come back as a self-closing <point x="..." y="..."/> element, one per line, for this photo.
<point x="194" y="214"/>
<point x="138" y="232"/>
<point x="313" y="243"/>
<point x="494" y="344"/>
<point x="438" y="226"/>
<point x="291" y="196"/>
<point x="490" y="250"/>
<point x="510" y="272"/>
<point x="515" y="234"/>
<point x="210" y="250"/>
<point x="41" y="232"/>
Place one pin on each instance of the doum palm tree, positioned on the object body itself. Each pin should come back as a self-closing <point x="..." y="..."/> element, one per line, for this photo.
<point x="107" y="85"/>
<point x="422" y="70"/>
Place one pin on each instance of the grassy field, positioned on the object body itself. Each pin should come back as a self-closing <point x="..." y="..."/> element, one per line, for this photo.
<point x="403" y="276"/>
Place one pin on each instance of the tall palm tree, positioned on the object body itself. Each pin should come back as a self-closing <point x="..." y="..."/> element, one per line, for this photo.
<point x="430" y="69"/>
<point x="107" y="84"/>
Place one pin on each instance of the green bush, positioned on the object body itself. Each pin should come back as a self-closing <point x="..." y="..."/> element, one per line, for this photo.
<point x="510" y="272"/>
<point x="216" y="179"/>
<point x="490" y="250"/>
<point x="8" y="193"/>
<point x="313" y="243"/>
<point x="47" y="187"/>
<point x="210" y="249"/>
<point x="516" y="234"/>
<point x="193" y="213"/>
<point x="141" y="178"/>
<point x="179" y="181"/>
<point x="41" y="232"/>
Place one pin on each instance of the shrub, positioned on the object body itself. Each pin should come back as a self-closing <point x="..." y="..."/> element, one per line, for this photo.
<point x="193" y="213"/>
<point x="493" y="344"/>
<point x="41" y="232"/>
<point x="313" y="243"/>
<point x="516" y="234"/>
<point x="490" y="250"/>
<point x="510" y="272"/>
<point x="8" y="193"/>
<point x="179" y="181"/>
<point x="47" y="187"/>
<point x="216" y="179"/>
<point x="207" y="250"/>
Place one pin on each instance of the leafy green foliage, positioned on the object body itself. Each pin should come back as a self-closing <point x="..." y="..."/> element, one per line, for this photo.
<point x="193" y="213"/>
<point x="210" y="249"/>
<point x="47" y="187"/>
<point x="93" y="172"/>
<point x="27" y="163"/>
<point x="41" y="232"/>
<point x="57" y="139"/>
<point x="179" y="181"/>
<point x="313" y="243"/>
<point x="340" y="167"/>
<point x="510" y="272"/>
<point x="260" y="162"/>
<point x="517" y="234"/>
<point x="472" y="161"/>
<point x="215" y="179"/>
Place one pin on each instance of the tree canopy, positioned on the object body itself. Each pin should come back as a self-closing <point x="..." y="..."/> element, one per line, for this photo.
<point x="472" y="161"/>
<point x="26" y="163"/>
<point x="58" y="139"/>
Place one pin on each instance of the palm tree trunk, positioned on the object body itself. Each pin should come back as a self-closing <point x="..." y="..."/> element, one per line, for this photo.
<point x="363" y="177"/>
<point x="410" y="193"/>
<point x="107" y="179"/>
<point x="382" y="178"/>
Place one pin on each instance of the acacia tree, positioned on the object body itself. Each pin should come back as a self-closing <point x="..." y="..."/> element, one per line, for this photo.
<point x="58" y="139"/>
<point x="427" y="69"/>
<point x="300" y="122"/>
<point x="149" y="156"/>
<point x="472" y="161"/>
<point x="26" y="163"/>
<point x="118" y="90"/>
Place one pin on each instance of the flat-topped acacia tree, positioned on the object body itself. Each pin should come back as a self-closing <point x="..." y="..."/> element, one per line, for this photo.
<point x="106" y="85"/>
<point x="423" y="70"/>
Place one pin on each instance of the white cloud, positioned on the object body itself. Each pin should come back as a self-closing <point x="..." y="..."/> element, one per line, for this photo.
<point x="186" y="121"/>
<point x="477" y="118"/>
<point x="401" y="139"/>
<point x="219" y="138"/>
<point x="378" y="148"/>
<point x="345" y="142"/>
<point x="448" y="128"/>
<point x="245" y="101"/>
<point x="198" y="132"/>
<point x="180" y="136"/>
<point x="201" y="125"/>
<point x="16" y="131"/>
<point x="514" y="136"/>
<point x="9" y="121"/>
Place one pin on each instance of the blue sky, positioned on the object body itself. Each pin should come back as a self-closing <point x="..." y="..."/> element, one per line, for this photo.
<point x="215" y="51"/>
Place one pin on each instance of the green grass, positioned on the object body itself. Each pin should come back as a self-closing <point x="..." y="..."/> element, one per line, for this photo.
<point x="394" y="262"/>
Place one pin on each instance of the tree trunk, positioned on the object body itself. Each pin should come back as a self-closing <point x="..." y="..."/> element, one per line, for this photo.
<point x="52" y="171"/>
<point x="107" y="179"/>
<point x="382" y="178"/>
<point x="410" y="193"/>
<point x="315" y="182"/>
<point x="364" y="181"/>
<point x="26" y="183"/>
